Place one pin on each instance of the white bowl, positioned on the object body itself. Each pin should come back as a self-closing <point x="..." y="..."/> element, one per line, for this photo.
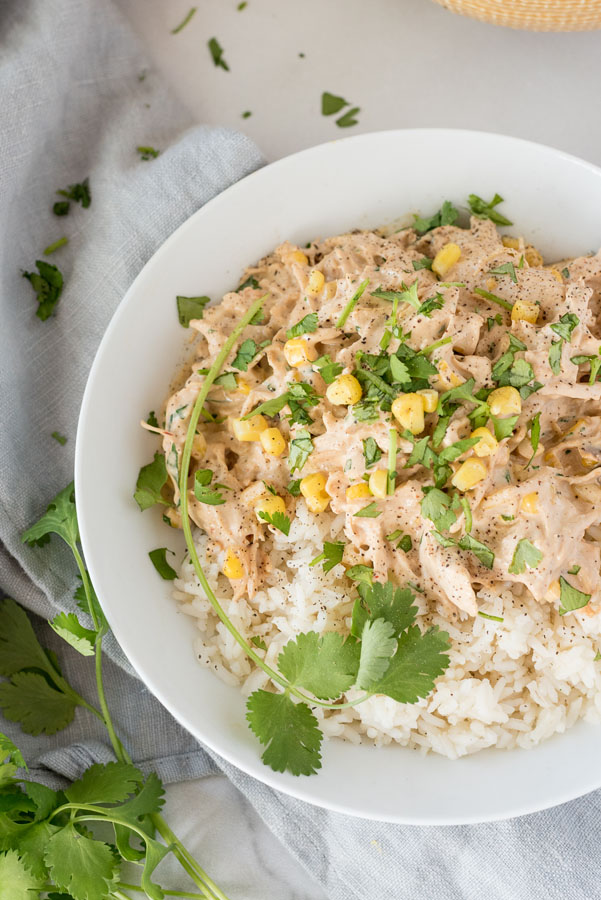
<point x="364" y="181"/>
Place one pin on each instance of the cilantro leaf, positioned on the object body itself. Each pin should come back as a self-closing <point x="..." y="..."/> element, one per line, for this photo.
<point x="290" y="731"/>
<point x="79" y="193"/>
<point x="507" y="268"/>
<point x="47" y="282"/>
<point x="68" y="627"/>
<point x="524" y="555"/>
<point x="326" y="665"/>
<point x="424" y="263"/>
<point x="184" y="21"/>
<point x="348" y="118"/>
<point x="484" y="554"/>
<point x="504" y="427"/>
<point x="566" y="325"/>
<point x="151" y="480"/>
<point x="10" y="751"/>
<point x="202" y="491"/>
<point x="407" y="295"/>
<point x="19" y="647"/>
<point x="245" y="355"/>
<point x="446" y="215"/>
<point x="278" y="519"/>
<point x="216" y="51"/>
<point x="435" y="506"/>
<point x="147" y="153"/>
<point x="452" y="452"/>
<point x="555" y="356"/>
<point x="248" y="282"/>
<point x="61" y="208"/>
<point x="301" y="447"/>
<point x="486" y="210"/>
<point x="84" y="867"/>
<point x="370" y="511"/>
<point x="60" y="518"/>
<point x="419" y="659"/>
<point x="258" y="642"/>
<point x="384" y="601"/>
<point x="378" y="643"/>
<point x="189" y="308"/>
<point x="361" y="574"/>
<point x="105" y="783"/>
<point x="158" y="558"/>
<point x="307" y="325"/>
<point x="570" y="598"/>
<point x="28" y="699"/>
<point x="534" y="426"/>
<point x="293" y="487"/>
<point x="269" y="408"/>
<point x="331" y="104"/>
<point x="332" y="554"/>
<point x="429" y="305"/>
<point x="371" y="452"/>
<point x="328" y="370"/>
<point x="148" y="799"/>
<point x="351" y="304"/>
<point x="16" y="880"/>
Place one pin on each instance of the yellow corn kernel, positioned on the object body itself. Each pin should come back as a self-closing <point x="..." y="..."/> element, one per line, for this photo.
<point x="446" y="377"/>
<point x="533" y="257"/>
<point x="553" y="592"/>
<point x="446" y="258"/>
<point x="313" y="489"/>
<point x="408" y="410"/>
<point x="487" y="444"/>
<point x="430" y="397"/>
<point x="316" y="282"/>
<point x="243" y="386"/>
<point x="358" y="491"/>
<point x="556" y="274"/>
<point x="505" y="401"/>
<point x="512" y="242"/>
<point x="344" y="391"/>
<point x="469" y="474"/>
<point x="378" y="483"/>
<point x="330" y="289"/>
<point x="525" y="311"/>
<point x="491" y="284"/>
<point x="270" y="505"/>
<point x="272" y="441"/>
<point x="299" y="257"/>
<point x="529" y="503"/>
<point x="298" y="352"/>
<point x="249" y="429"/>
<point x="199" y="446"/>
<point x="232" y="567"/>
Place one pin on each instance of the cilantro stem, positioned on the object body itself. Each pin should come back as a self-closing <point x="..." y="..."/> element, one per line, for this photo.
<point x="434" y="346"/>
<point x="493" y="298"/>
<point x="184" y="21"/>
<point x="55" y="246"/>
<point x="137" y="887"/>
<point x="186" y="860"/>
<point x="392" y="451"/>
<point x="378" y="382"/>
<point x="351" y="304"/>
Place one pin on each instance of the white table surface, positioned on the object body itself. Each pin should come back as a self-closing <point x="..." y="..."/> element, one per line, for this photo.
<point x="406" y="63"/>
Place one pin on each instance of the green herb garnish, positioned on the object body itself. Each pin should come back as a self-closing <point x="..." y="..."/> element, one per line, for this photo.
<point x="79" y="193"/>
<point x="349" y="118"/>
<point x="331" y="555"/>
<point x="245" y="355"/>
<point x="570" y="598"/>
<point x="371" y="452"/>
<point x="47" y="282"/>
<point x="151" y="480"/>
<point x="525" y="554"/>
<point x="351" y="304"/>
<point x="51" y="248"/>
<point x="507" y="268"/>
<point x="446" y="215"/>
<point x="331" y="104"/>
<point x="301" y="447"/>
<point x="202" y="490"/>
<point x="59" y="438"/>
<point x="147" y="153"/>
<point x="307" y="325"/>
<point x="184" y="21"/>
<point x="370" y="511"/>
<point x="486" y="210"/>
<point x="278" y="519"/>
<point x="189" y="308"/>
<point x="158" y="558"/>
<point x="216" y="51"/>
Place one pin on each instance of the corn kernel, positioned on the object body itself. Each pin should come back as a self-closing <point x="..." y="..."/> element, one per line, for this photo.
<point x="512" y="242"/>
<point x="298" y="256"/>
<point x="243" y="386"/>
<point x="533" y="257"/>
<point x="553" y="592"/>
<point x="316" y="282"/>
<point x="525" y="311"/>
<point x="469" y="474"/>
<point x="408" y="410"/>
<point x="199" y="446"/>
<point x="249" y="429"/>
<point x="344" y="391"/>
<point x="446" y="377"/>
<point x="505" y="401"/>
<point x="529" y="503"/>
<point x="556" y="274"/>
<point x="313" y="489"/>
<point x="270" y="505"/>
<point x="446" y="258"/>
<point x="378" y="483"/>
<point x="487" y="444"/>
<point x="491" y="284"/>
<point x="298" y="352"/>
<point x="232" y="567"/>
<point x="358" y="491"/>
<point x="272" y="441"/>
<point x="330" y="289"/>
<point x="430" y="399"/>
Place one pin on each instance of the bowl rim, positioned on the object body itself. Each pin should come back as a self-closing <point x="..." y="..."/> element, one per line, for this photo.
<point x="264" y="774"/>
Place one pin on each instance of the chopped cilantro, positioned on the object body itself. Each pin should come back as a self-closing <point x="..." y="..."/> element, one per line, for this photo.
<point x="246" y="114"/>
<point x="371" y="452"/>
<point x="429" y="305"/>
<point x="293" y="487"/>
<point x="184" y="21"/>
<point x="301" y="447"/>
<point x="245" y="355"/>
<point x="147" y="153"/>
<point x="574" y="570"/>
<point x="328" y="370"/>
<point x="570" y="598"/>
<point x="351" y="304"/>
<point x="51" y="248"/>
<point x="407" y="295"/>
<point x="277" y="519"/>
<point x="331" y="555"/>
<point x="446" y="215"/>
<point x="258" y="642"/>
<point x="504" y="427"/>
<point x="61" y="207"/>
<point x="331" y="104"/>
<point x="151" y="480"/>
<point x="564" y="328"/>
<point x="348" y="119"/>
<point x="361" y="574"/>
<point x="436" y="506"/>
<point x="202" y="491"/>
<point x="307" y="325"/>
<point x="483" y="553"/>
<point x="158" y="558"/>
<point x="492" y="618"/>
<point x="493" y="298"/>
<point x="486" y="210"/>
<point x="491" y="322"/>
<point x="216" y="51"/>
<point x="525" y="554"/>
<point x="507" y="268"/>
<point x="79" y="193"/>
<point x="248" y="282"/>
<point x="48" y="285"/>
<point x="370" y="511"/>
<point x="59" y="438"/>
<point x="424" y="263"/>
<point x="189" y="308"/>
<point x="565" y="272"/>
<point x="534" y="428"/>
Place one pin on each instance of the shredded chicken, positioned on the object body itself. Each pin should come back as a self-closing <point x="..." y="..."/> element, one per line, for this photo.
<point x="536" y="496"/>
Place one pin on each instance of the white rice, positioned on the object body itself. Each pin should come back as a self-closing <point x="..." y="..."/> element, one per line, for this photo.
<point x="509" y="684"/>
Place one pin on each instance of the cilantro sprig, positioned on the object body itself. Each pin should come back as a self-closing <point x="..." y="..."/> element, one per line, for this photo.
<point x="487" y="209"/>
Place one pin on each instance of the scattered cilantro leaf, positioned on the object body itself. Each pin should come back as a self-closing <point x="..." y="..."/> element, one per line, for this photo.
<point x="574" y="570"/>
<point x="258" y="642"/>
<point x="351" y="304"/>
<point x="248" y="282"/>
<point x="52" y="248"/>
<point x="278" y="519"/>
<point x="431" y="304"/>
<point x="534" y="428"/>
<point x="216" y="51"/>
<point x="570" y="598"/>
<point x="378" y="643"/>
<point x="406" y="295"/>
<point x="328" y="370"/>
<point x="331" y="104"/>
<point x="59" y="438"/>
<point x="79" y="193"/>
<point x="290" y="731"/>
<point x="184" y="21"/>
<point x="483" y="553"/>
<point x="307" y="325"/>
<point x="371" y="452"/>
<point x="446" y="215"/>
<point x="158" y="558"/>
<point x="370" y="511"/>
<point x="151" y="480"/>
<point x="301" y="447"/>
<point x="47" y="283"/>
<point x="507" y="268"/>
<point x="565" y="326"/>
<point x="348" y="119"/>
<point x="269" y="408"/>
<point x="245" y="355"/>
<point x="486" y="210"/>
<point x="504" y="427"/>
<point x="555" y="356"/>
<point x="524" y="555"/>
<point x="189" y="308"/>
<point x="384" y="601"/>
<point x="360" y="574"/>
<point x="61" y="208"/>
<point x="147" y="153"/>
<point x="436" y="506"/>
<point x="331" y="556"/>
<point x="424" y="263"/>
<point x="202" y="491"/>
<point x="293" y="487"/>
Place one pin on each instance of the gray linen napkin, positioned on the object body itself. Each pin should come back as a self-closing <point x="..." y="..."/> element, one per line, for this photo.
<point x="77" y="98"/>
